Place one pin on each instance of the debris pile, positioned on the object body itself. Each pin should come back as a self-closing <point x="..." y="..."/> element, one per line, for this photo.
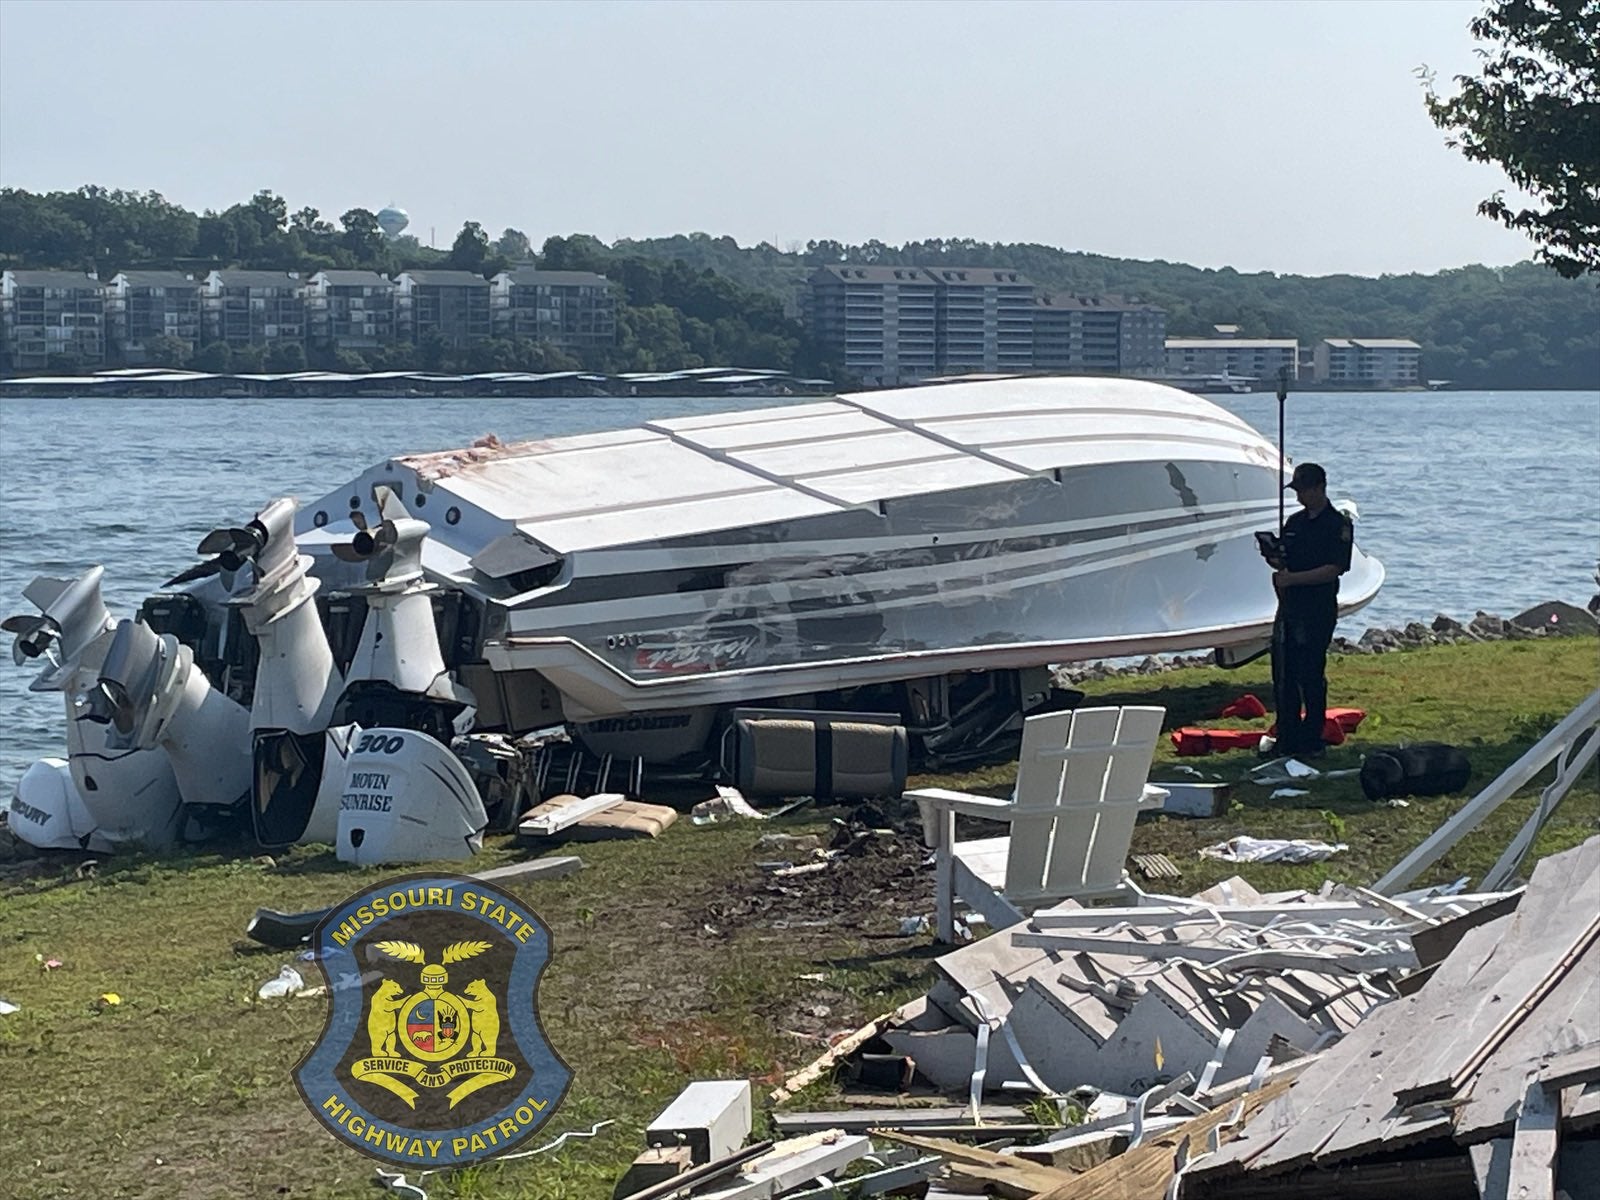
<point x="1487" y="1076"/>
<point x="1124" y="999"/>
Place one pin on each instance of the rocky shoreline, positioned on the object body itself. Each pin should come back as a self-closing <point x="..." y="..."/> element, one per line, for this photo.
<point x="1553" y="618"/>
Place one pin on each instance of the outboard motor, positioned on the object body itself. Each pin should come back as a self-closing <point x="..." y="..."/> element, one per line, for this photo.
<point x="297" y="760"/>
<point x="150" y="694"/>
<point x="397" y="687"/>
<point x="407" y="799"/>
<point x="99" y="797"/>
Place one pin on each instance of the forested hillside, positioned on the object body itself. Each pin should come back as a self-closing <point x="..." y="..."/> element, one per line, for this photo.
<point x="1517" y="327"/>
<point x="693" y="299"/>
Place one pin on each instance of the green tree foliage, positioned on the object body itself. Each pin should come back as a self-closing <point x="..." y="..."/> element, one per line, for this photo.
<point x="513" y="246"/>
<point x="692" y="299"/>
<point x="471" y="248"/>
<point x="164" y="351"/>
<point x="1517" y="327"/>
<point x="213" y="357"/>
<point x="362" y="239"/>
<point x="1535" y="110"/>
<point x="285" y="357"/>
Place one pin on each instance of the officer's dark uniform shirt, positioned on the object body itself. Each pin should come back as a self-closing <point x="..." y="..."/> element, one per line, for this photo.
<point x="1310" y="542"/>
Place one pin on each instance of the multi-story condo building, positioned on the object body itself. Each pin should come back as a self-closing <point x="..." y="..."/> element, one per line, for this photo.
<point x="983" y="320"/>
<point x="349" y="310"/>
<point x="572" y="310"/>
<point x="141" y="305"/>
<point x="1097" y="335"/>
<point x="1368" y="362"/>
<point x="51" y="319"/>
<point x="878" y="323"/>
<point x="452" y="304"/>
<point x="253" y="308"/>
<point x="1249" y="358"/>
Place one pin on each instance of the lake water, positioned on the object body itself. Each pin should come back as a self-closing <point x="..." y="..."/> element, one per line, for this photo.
<point x="1471" y="499"/>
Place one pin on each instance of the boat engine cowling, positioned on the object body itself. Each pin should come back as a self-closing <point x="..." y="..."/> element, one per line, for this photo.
<point x="47" y="811"/>
<point x="151" y="694"/>
<point x="116" y="795"/>
<point x="407" y="798"/>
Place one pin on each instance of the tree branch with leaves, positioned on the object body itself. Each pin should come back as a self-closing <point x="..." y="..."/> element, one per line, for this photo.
<point x="1535" y="110"/>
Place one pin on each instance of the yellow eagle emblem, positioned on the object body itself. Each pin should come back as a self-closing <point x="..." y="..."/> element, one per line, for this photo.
<point x="419" y="1039"/>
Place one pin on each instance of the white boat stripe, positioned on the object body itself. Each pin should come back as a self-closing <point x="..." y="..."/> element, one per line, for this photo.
<point x="623" y="560"/>
<point x="682" y="605"/>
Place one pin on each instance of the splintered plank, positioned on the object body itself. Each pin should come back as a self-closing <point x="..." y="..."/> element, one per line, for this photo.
<point x="1371" y="1057"/>
<point x="1007" y="1175"/>
<point x="1145" y="1172"/>
<point x="1557" y="920"/>
<point x="1533" y="1146"/>
<point x="1569" y="1016"/>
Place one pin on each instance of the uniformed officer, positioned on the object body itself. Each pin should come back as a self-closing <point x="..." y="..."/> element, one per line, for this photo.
<point x="1316" y="551"/>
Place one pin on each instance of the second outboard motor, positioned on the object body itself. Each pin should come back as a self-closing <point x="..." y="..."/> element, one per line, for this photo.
<point x="407" y="797"/>
<point x="297" y="760"/>
<point x="151" y="694"/>
<point x="101" y="796"/>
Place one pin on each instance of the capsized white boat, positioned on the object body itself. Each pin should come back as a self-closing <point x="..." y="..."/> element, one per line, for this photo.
<point x="928" y="551"/>
<point x="642" y="580"/>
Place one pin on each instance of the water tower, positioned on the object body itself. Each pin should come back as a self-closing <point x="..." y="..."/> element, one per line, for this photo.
<point x="392" y="221"/>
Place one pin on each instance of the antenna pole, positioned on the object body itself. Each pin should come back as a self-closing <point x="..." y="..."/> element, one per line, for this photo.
<point x="1283" y="394"/>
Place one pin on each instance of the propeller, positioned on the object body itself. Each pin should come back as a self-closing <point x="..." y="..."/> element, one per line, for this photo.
<point x="229" y="550"/>
<point x="34" y="635"/>
<point x="397" y="536"/>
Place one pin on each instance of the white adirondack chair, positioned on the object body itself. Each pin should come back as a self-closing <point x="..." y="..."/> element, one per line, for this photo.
<point x="1081" y="783"/>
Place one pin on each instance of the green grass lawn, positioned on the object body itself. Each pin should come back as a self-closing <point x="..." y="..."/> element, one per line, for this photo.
<point x="671" y="960"/>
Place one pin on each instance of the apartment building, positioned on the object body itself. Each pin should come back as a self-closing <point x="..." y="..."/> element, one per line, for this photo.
<point x="880" y="324"/>
<point x="51" y="319"/>
<point x="451" y="304"/>
<point x="141" y="305"/>
<point x="253" y="308"/>
<point x="983" y="320"/>
<point x="1251" y="358"/>
<point x="1097" y="335"/>
<point x="572" y="310"/>
<point x="349" y="310"/>
<point x="1367" y="362"/>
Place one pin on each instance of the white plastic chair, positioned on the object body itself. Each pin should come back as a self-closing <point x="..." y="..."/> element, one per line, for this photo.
<point x="1081" y="783"/>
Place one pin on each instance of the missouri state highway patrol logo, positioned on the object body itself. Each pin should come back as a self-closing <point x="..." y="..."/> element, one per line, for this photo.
<point x="438" y="1058"/>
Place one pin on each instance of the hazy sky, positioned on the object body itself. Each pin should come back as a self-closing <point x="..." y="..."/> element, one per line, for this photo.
<point x="1267" y="135"/>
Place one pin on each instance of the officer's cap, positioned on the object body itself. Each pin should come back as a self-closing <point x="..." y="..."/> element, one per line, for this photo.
<point x="1307" y="475"/>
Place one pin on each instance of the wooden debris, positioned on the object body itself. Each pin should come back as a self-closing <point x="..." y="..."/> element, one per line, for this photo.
<point x="841" y="1049"/>
<point x="1533" y="1146"/>
<point x="1578" y="1066"/>
<point x="1434" y="944"/>
<point x="1541" y="943"/>
<point x="1147" y="1169"/>
<point x="655" y="1166"/>
<point x="1007" y="1175"/>
<point x="555" y="815"/>
<point x="703" y="1174"/>
<point x="1156" y="866"/>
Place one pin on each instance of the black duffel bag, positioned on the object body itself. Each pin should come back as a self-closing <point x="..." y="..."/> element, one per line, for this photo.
<point x="1425" y="769"/>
